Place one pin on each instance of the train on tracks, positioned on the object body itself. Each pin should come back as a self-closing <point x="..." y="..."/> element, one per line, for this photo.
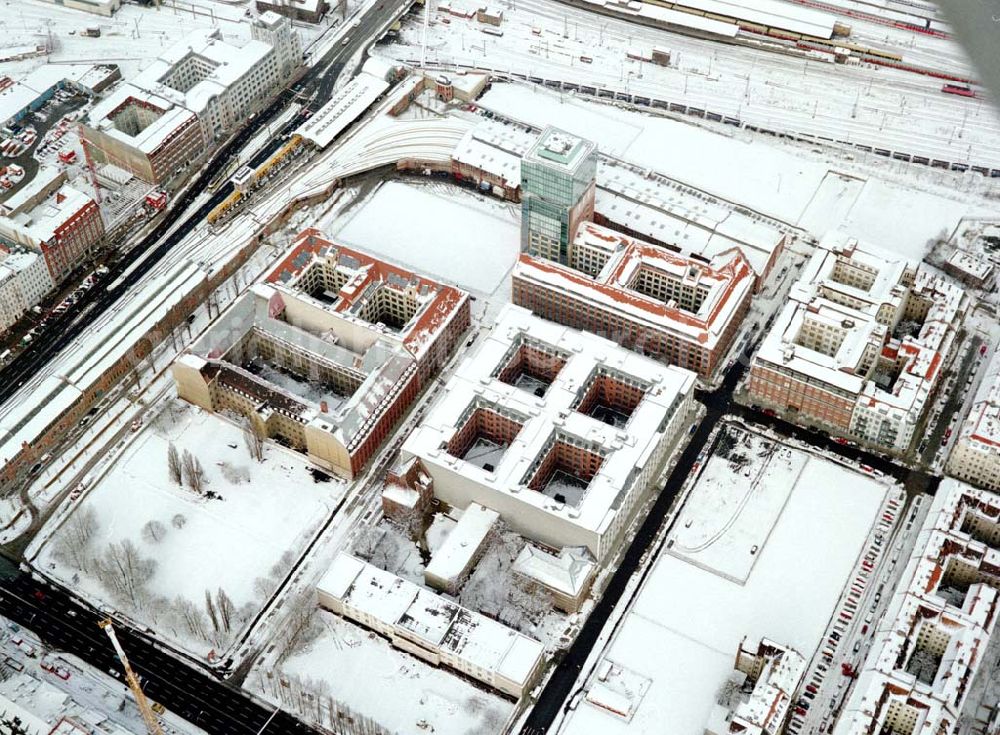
<point x="247" y="179"/>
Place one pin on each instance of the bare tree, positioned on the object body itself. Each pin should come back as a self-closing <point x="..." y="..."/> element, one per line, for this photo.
<point x="72" y="546"/>
<point x="283" y="566"/>
<point x="366" y="542"/>
<point x="210" y="607"/>
<point x="412" y="521"/>
<point x="302" y="626"/>
<point x="235" y="474"/>
<point x="125" y="572"/>
<point x="194" y="473"/>
<point x="153" y="532"/>
<point x="178" y="521"/>
<point x="190" y="617"/>
<point x="174" y="463"/>
<point x="226" y="609"/>
<point x="254" y="438"/>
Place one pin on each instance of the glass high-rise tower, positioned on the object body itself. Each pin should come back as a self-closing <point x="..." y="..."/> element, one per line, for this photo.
<point x="557" y="193"/>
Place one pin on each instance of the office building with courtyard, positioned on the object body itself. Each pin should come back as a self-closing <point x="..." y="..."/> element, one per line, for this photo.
<point x="559" y="431"/>
<point x="678" y="309"/>
<point x="861" y="345"/>
<point x="328" y="354"/>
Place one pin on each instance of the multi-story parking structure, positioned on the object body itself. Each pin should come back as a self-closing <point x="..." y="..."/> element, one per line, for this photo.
<point x="932" y="641"/>
<point x="328" y="354"/>
<point x="681" y="310"/>
<point x="861" y="344"/>
<point x="559" y="431"/>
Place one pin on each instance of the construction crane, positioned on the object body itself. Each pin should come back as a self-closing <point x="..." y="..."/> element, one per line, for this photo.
<point x="148" y="716"/>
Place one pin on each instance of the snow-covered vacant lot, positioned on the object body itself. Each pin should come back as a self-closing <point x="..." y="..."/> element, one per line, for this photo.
<point x="362" y="671"/>
<point x="678" y="640"/>
<point x="157" y="550"/>
<point x="454" y="235"/>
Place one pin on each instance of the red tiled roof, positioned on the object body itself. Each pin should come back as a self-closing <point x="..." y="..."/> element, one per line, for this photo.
<point x="445" y="303"/>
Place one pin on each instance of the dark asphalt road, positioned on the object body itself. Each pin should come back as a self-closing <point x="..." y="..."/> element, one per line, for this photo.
<point x="195" y="696"/>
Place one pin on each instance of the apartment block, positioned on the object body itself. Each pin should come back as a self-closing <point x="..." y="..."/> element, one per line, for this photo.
<point x="932" y="640"/>
<point x="430" y="627"/>
<point x="308" y="11"/>
<point x="328" y="354"/>
<point x="191" y="95"/>
<point x="773" y="673"/>
<point x="559" y="431"/>
<point x="24" y="281"/>
<point x="677" y="309"/>
<point x="975" y="457"/>
<point x="56" y="220"/>
<point x="860" y="346"/>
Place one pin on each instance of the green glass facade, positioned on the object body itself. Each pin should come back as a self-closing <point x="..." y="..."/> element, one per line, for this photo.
<point x="557" y="193"/>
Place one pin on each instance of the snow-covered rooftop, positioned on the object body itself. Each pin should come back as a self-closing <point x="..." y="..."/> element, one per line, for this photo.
<point x="891" y="684"/>
<point x="725" y="283"/>
<point x="343" y="108"/>
<point x="679" y="637"/>
<point x="463" y="543"/>
<point x="568" y="572"/>
<point x="220" y="65"/>
<point x="435" y="304"/>
<point x="978" y="268"/>
<point x="340" y="331"/>
<point x="859" y="293"/>
<point x="981" y="429"/>
<point x="475" y="642"/>
<point x="172" y="116"/>
<point x="558" y="149"/>
<point x="14" y="98"/>
<point x="43" y="222"/>
<point x="548" y="416"/>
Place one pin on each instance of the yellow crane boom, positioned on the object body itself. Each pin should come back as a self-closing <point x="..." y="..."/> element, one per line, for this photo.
<point x="148" y="716"/>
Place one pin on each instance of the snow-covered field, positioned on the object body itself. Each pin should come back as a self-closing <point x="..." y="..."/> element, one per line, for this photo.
<point x="682" y="630"/>
<point x="403" y="694"/>
<point x="741" y="496"/>
<point x="750" y="171"/>
<point x="442" y="231"/>
<point x="242" y="543"/>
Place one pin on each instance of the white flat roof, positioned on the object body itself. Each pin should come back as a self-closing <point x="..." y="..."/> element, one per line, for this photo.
<point x="463" y="542"/>
<point x="152" y="136"/>
<point x="51" y="214"/>
<point x="679" y="637"/>
<point x="343" y="109"/>
<point x="625" y="448"/>
<point x="398" y="603"/>
<point x="231" y="63"/>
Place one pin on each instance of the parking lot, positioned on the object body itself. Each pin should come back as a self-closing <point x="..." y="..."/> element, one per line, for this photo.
<point x="856" y="617"/>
